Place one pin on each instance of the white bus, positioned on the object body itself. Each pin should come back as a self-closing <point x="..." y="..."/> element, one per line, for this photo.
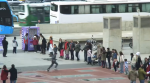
<point x="84" y="12"/>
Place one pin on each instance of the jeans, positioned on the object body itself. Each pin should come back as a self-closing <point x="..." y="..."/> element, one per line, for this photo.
<point x="127" y="71"/>
<point x="142" y="81"/>
<point x="35" y="48"/>
<point x="53" y="62"/>
<point x="26" y="47"/>
<point x="77" y="55"/>
<point x="109" y="62"/>
<point x="99" y="61"/>
<point x="72" y="54"/>
<point x="14" y="49"/>
<point x="121" y="67"/>
<point x="85" y="55"/>
<point x="4" y="51"/>
<point x="89" y="60"/>
<point x="4" y="81"/>
<point x="133" y="81"/>
<point x="12" y="81"/>
<point x="103" y="63"/>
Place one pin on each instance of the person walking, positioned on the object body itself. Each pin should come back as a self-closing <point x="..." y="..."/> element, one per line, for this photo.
<point x="35" y="43"/>
<point x="72" y="48"/>
<point x="26" y="42"/>
<point x="141" y="74"/>
<point x="43" y="44"/>
<point x="4" y="74"/>
<point x="66" y="48"/>
<point x="77" y="50"/>
<point x="133" y="75"/>
<point x="15" y="45"/>
<point x="60" y="47"/>
<point x="85" y="51"/>
<point x="121" y="60"/>
<point x="13" y="74"/>
<point x="99" y="54"/>
<point x="5" y="45"/>
<point x="108" y="57"/>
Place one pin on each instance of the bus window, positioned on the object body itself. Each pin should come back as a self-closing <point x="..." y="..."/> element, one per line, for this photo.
<point x="8" y="21"/>
<point x="47" y="10"/>
<point x="65" y="9"/>
<point x="21" y="8"/>
<point x="33" y="10"/>
<point x="133" y="7"/>
<point x="54" y="7"/>
<point x="39" y="9"/>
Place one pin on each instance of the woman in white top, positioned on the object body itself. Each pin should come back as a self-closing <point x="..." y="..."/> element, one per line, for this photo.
<point x="121" y="60"/>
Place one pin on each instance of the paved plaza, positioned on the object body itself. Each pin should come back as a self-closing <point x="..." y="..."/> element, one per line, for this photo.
<point x="31" y="67"/>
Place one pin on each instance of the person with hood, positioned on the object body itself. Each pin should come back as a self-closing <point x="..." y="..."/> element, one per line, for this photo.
<point x="4" y="74"/>
<point x="5" y="45"/>
<point x="13" y="74"/>
<point x="43" y="46"/>
<point x="99" y="54"/>
<point x="77" y="50"/>
<point x="66" y="48"/>
<point x="85" y="51"/>
<point x="15" y="45"/>
<point x="138" y="61"/>
<point x="26" y="42"/>
<point x="133" y="75"/>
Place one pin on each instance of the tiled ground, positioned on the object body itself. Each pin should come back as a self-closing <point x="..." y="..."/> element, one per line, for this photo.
<point x="82" y="75"/>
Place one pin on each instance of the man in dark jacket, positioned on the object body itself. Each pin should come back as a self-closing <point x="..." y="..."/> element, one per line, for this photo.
<point x="13" y="74"/>
<point x="108" y="57"/>
<point x="71" y="48"/>
<point x="5" y="45"/>
<point x="85" y="51"/>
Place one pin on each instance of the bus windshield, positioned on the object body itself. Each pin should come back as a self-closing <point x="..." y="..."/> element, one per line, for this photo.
<point x="47" y="10"/>
<point x="5" y="15"/>
<point x="54" y="7"/>
<point x="21" y="8"/>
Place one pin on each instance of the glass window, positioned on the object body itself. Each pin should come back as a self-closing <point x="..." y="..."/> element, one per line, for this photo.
<point x="4" y="9"/>
<point x="47" y="10"/>
<point x="65" y="9"/>
<point x="111" y="9"/>
<point x="39" y="9"/>
<point x="146" y="7"/>
<point x="32" y="10"/>
<point x="6" y="21"/>
<point x="81" y="9"/>
<point x="54" y="7"/>
<point x="133" y="7"/>
<point x="95" y="9"/>
<point x="74" y="9"/>
<point x="121" y="8"/>
<point x="21" y="8"/>
<point x="87" y="9"/>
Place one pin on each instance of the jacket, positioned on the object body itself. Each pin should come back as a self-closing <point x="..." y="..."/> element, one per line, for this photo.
<point x="55" y="49"/>
<point x="89" y="54"/>
<point x="103" y="57"/>
<point x="13" y="73"/>
<point x="5" y="43"/>
<point x="60" y="46"/>
<point x="77" y="48"/>
<point x="40" y="41"/>
<point x="35" y="42"/>
<point x="141" y="74"/>
<point x="114" y="55"/>
<point x="44" y="43"/>
<point x="133" y="60"/>
<point x="4" y="74"/>
<point x="98" y="52"/>
<point x="54" y="57"/>
<point x="121" y="58"/>
<point x="132" y="75"/>
<point x="85" y="47"/>
<point x="15" y="43"/>
<point x="25" y="40"/>
<point x="71" y="46"/>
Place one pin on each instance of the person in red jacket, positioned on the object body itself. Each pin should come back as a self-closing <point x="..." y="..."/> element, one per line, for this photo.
<point x="4" y="74"/>
<point x="35" y="43"/>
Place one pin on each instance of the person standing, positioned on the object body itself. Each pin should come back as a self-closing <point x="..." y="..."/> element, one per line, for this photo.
<point x="40" y="43"/>
<point x="85" y="51"/>
<point x="108" y="57"/>
<point x="89" y="54"/>
<point x="26" y="42"/>
<point x="126" y="67"/>
<point x="5" y="45"/>
<point x="43" y="44"/>
<point x="141" y="74"/>
<point x="4" y="74"/>
<point x="114" y="54"/>
<point x="71" y="48"/>
<point x="99" y="54"/>
<point x="50" y="46"/>
<point x="103" y="57"/>
<point x="35" y="43"/>
<point x="77" y="50"/>
<point x="15" y="45"/>
<point x="133" y="62"/>
<point x="138" y="61"/>
<point x="131" y="56"/>
<point x="133" y="75"/>
<point x="60" y="47"/>
<point x="121" y="60"/>
<point x="13" y="74"/>
<point x="66" y="48"/>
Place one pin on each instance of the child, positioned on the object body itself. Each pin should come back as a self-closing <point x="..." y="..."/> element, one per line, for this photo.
<point x="15" y="45"/>
<point x="53" y="62"/>
<point x="35" y="43"/>
<point x="133" y="75"/>
<point x="55" y="49"/>
<point x="126" y="67"/>
<point x="116" y="65"/>
<point x="94" y="58"/>
<point x="89" y="54"/>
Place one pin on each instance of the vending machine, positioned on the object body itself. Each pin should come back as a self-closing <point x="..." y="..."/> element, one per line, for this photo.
<point x="31" y="30"/>
<point x="1" y="39"/>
